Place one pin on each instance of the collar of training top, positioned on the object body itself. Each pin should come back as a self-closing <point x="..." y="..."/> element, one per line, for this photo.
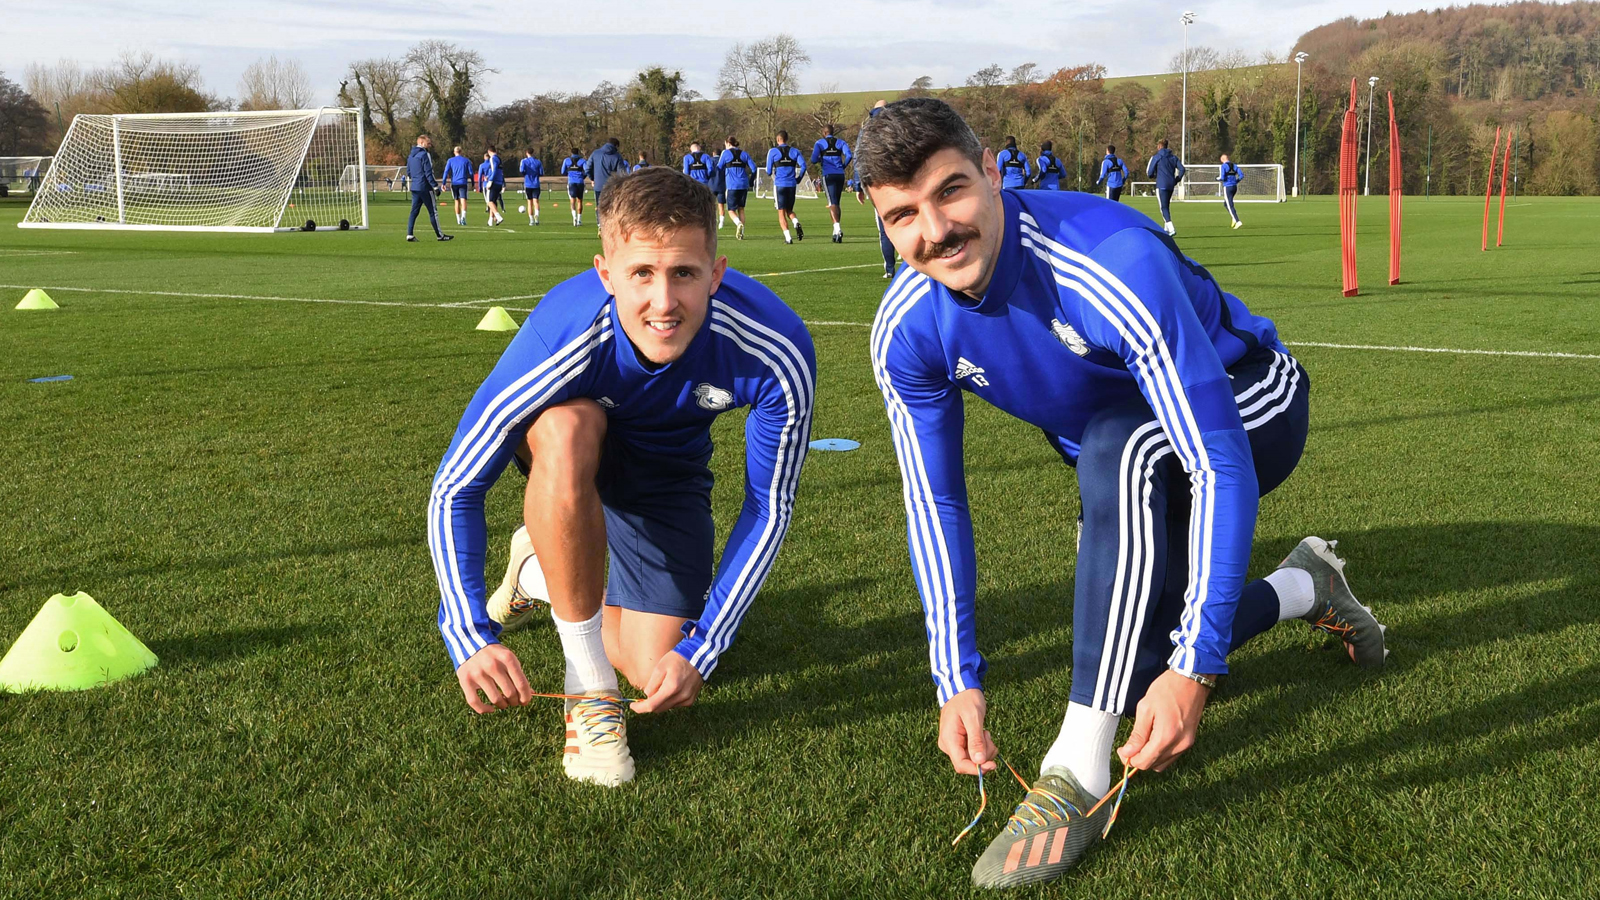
<point x="1007" y="269"/>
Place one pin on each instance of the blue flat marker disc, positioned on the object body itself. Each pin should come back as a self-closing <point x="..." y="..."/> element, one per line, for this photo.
<point x="51" y="378"/>
<point x="835" y="444"/>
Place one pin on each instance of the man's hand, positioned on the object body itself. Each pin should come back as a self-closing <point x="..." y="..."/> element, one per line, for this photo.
<point x="673" y="683"/>
<point x="861" y="197"/>
<point x="961" y="733"/>
<point x="1164" y="725"/>
<point x="496" y="672"/>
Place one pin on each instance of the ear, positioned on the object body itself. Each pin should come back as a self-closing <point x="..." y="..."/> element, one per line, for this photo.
<point x="718" y="269"/>
<point x="991" y="168"/>
<point x="603" y="269"/>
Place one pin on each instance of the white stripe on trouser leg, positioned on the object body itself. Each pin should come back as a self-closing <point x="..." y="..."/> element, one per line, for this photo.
<point x="1131" y="594"/>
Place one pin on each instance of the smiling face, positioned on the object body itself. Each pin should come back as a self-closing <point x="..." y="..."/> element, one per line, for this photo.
<point x="663" y="286"/>
<point x="947" y="221"/>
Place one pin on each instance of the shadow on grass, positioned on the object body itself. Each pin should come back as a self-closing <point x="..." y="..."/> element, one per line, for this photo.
<point x="800" y="667"/>
<point x="212" y="647"/>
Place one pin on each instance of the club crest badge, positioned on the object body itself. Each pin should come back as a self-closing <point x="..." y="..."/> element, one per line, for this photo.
<point x="712" y="397"/>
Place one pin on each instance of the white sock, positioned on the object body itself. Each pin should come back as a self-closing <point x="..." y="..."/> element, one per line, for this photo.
<point x="1296" y="593"/>
<point x="836" y="228"/>
<point x="794" y="221"/>
<point x="1084" y="747"/>
<point x="786" y="234"/>
<point x="587" y="667"/>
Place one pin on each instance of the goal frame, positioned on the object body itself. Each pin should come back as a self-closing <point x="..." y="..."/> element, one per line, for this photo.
<point x="805" y="190"/>
<point x="120" y="176"/>
<point x="13" y="180"/>
<point x="1211" y="189"/>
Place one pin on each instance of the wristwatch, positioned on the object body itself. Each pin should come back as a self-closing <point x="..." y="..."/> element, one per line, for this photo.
<point x="1206" y="681"/>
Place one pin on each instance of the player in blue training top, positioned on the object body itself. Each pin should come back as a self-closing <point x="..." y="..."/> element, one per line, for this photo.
<point x="575" y="167"/>
<point x="738" y="170"/>
<point x="885" y="246"/>
<point x="532" y="169"/>
<point x="497" y="186"/>
<point x="833" y="154"/>
<point x="1113" y="173"/>
<point x="1229" y="175"/>
<point x="458" y="175"/>
<point x="1177" y="407"/>
<point x="1050" y="171"/>
<point x="1014" y="168"/>
<point x="786" y="165"/>
<point x="1167" y="169"/>
<point x="643" y="162"/>
<point x="605" y="399"/>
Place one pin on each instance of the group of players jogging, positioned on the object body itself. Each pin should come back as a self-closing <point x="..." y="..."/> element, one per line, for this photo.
<point x="1178" y="407"/>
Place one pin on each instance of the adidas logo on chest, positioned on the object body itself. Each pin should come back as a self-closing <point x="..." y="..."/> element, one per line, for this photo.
<point x="965" y="368"/>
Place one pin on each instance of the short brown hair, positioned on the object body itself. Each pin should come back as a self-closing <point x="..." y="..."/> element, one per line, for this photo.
<point x="895" y="143"/>
<point x="654" y="202"/>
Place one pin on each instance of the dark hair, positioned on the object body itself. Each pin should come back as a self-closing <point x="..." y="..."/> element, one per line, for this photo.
<point x="492" y="149"/>
<point x="575" y="152"/>
<point x="1111" y="148"/>
<point x="894" y="145"/>
<point x="528" y="151"/>
<point x="1162" y="143"/>
<point x="1046" y="147"/>
<point x="613" y="142"/>
<point x="656" y="201"/>
<point x="733" y="140"/>
<point x="827" y="131"/>
<point x="693" y="144"/>
<point x="783" y="136"/>
<point x="1011" y="142"/>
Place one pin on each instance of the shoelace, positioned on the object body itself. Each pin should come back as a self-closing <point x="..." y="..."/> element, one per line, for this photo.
<point x="601" y="718"/>
<point x="1333" y="624"/>
<point x="1030" y="813"/>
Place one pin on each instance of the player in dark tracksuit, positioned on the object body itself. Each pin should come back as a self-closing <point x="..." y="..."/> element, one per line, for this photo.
<point x="1229" y="176"/>
<point x="1168" y="170"/>
<point x="885" y="246"/>
<point x="419" y="169"/>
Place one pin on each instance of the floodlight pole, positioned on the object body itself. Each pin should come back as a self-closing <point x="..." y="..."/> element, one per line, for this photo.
<point x="1183" y="140"/>
<point x="1299" y="58"/>
<point x="1372" y="84"/>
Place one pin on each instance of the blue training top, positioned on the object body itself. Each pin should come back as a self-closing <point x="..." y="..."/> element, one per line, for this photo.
<point x="699" y="166"/>
<point x="532" y="170"/>
<point x="1112" y="171"/>
<point x="1166" y="168"/>
<point x="1228" y="173"/>
<point x="1014" y="168"/>
<point x="458" y="170"/>
<point x="833" y="153"/>
<point x="752" y="350"/>
<point x="737" y="168"/>
<point x="1050" y="171"/>
<point x="1090" y="306"/>
<point x="574" y="168"/>
<point x="785" y="164"/>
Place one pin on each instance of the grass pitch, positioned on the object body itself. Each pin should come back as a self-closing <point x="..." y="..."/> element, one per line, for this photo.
<point x="238" y="472"/>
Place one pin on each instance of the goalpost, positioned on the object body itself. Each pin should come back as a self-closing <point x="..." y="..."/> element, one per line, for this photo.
<point x="378" y="178"/>
<point x="272" y="170"/>
<point x="22" y="174"/>
<point x="806" y="189"/>
<point x="1260" y="183"/>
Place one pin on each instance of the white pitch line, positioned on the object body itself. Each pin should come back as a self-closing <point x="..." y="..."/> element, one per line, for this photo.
<point x="809" y="271"/>
<point x="1453" y="350"/>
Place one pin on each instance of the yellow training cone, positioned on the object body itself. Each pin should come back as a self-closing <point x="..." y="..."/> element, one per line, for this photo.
<point x="71" y="645"/>
<point x="497" y="319"/>
<point x="37" y="299"/>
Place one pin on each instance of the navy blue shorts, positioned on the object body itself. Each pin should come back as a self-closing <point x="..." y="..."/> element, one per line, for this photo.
<point x="575" y="191"/>
<point x="783" y="198"/>
<point x="460" y="191"/>
<point x="531" y="193"/>
<point x="736" y="198"/>
<point x="835" y="187"/>
<point x="722" y="195"/>
<point x="658" y="529"/>
<point x="496" y="189"/>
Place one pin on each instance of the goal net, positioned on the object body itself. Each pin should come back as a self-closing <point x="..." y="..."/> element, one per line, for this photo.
<point x="806" y="190"/>
<point x="276" y="170"/>
<point x="1257" y="184"/>
<point x="379" y="178"/>
<point x="22" y="174"/>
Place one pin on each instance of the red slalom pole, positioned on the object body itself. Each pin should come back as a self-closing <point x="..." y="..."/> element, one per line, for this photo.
<point x="1349" y="147"/>
<point x="1396" y="179"/>
<point x="1488" y="192"/>
<point x="1505" y="167"/>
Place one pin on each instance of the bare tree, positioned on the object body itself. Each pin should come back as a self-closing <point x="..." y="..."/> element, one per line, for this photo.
<point x="141" y="83"/>
<point x="922" y="87"/>
<point x="1201" y="59"/>
<point x="273" y="84"/>
<point x="453" y="80"/>
<point x="1027" y="73"/>
<point x="380" y="90"/>
<point x="763" y="73"/>
<point x="62" y="89"/>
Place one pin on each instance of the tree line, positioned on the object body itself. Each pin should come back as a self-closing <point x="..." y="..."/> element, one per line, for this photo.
<point x="1455" y="74"/>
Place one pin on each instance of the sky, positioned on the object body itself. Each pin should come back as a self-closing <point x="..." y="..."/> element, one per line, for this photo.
<point x="539" y="47"/>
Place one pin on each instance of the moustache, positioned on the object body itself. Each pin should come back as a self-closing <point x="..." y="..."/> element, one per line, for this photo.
<point x="952" y="241"/>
